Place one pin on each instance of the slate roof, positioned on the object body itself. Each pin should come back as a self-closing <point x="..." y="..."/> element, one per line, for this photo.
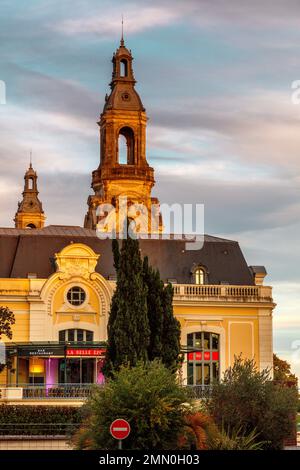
<point x="33" y="251"/>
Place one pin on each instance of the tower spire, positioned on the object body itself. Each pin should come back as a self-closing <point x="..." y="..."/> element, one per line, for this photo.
<point x="122" y="174"/>
<point x="30" y="212"/>
<point x="122" y="36"/>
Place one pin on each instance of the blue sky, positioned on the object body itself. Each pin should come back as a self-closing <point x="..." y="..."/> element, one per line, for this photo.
<point x="215" y="78"/>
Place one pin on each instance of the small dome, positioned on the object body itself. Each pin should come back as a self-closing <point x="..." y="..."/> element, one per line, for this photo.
<point x="30" y="171"/>
<point x="122" y="50"/>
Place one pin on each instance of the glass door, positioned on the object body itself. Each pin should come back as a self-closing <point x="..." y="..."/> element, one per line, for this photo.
<point x="73" y="371"/>
<point x="87" y="371"/>
<point x="78" y="370"/>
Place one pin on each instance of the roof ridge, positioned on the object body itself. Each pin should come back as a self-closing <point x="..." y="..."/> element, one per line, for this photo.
<point x="77" y="230"/>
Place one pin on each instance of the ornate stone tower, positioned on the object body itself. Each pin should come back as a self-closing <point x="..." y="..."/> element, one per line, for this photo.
<point x="123" y="118"/>
<point x="30" y="212"/>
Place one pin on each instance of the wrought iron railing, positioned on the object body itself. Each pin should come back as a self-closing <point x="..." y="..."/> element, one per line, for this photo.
<point x="199" y="391"/>
<point x="37" y="429"/>
<point x="56" y="391"/>
<point x="82" y="391"/>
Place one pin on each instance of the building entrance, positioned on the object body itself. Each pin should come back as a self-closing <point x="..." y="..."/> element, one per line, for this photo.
<point x="76" y="370"/>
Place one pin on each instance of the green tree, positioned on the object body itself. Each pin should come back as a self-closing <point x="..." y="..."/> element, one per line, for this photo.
<point x="171" y="331"/>
<point x="128" y="329"/>
<point x="155" y="293"/>
<point x="164" y="327"/>
<point x="248" y="400"/>
<point x="282" y="373"/>
<point x="7" y="319"/>
<point x="111" y="346"/>
<point x="149" y="397"/>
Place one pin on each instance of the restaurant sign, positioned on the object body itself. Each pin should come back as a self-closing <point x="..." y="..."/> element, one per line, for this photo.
<point x="41" y="351"/>
<point x="90" y="352"/>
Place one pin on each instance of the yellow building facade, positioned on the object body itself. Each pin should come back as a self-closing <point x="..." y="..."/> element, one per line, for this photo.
<point x="59" y="281"/>
<point x="217" y="323"/>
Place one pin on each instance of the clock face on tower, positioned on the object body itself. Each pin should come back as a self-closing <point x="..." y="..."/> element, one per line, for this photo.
<point x="125" y="96"/>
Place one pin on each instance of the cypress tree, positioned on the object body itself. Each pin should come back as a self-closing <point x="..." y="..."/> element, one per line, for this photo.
<point x="171" y="331"/>
<point x="155" y="288"/>
<point x="164" y="327"/>
<point x="111" y="347"/>
<point x="128" y="330"/>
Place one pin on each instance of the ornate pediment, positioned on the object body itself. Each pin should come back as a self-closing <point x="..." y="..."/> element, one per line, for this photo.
<point x="76" y="260"/>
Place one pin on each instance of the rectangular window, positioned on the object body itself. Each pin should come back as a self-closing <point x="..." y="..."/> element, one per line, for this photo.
<point x="206" y="341"/>
<point x="62" y="336"/>
<point x="80" y="335"/>
<point x="206" y="374"/>
<point x="198" y="340"/>
<point x="215" y="366"/>
<point x="190" y="374"/>
<point x="203" y="358"/>
<point x="190" y="340"/>
<point x="198" y="374"/>
<point x="215" y="341"/>
<point x="89" y="336"/>
<point x="71" y="335"/>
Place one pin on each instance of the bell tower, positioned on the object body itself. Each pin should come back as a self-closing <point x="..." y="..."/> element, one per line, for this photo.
<point x="30" y="212"/>
<point x="123" y="121"/>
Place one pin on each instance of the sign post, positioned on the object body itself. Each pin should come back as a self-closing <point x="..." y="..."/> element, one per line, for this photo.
<point x="120" y="429"/>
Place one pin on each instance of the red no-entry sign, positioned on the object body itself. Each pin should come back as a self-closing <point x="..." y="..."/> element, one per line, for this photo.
<point x="120" y="429"/>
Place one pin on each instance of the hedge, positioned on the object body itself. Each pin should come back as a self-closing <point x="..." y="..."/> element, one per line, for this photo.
<point x="16" y="420"/>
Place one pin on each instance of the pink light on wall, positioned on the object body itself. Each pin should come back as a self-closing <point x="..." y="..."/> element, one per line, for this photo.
<point x="51" y="372"/>
<point x="100" y="376"/>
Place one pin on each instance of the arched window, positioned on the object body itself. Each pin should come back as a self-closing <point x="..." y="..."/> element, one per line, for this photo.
<point x="203" y="361"/>
<point x="126" y="146"/>
<point x="30" y="183"/>
<point x="122" y="147"/>
<point x="123" y="68"/>
<point x="199" y="275"/>
<point x="75" y="335"/>
<point x="30" y="226"/>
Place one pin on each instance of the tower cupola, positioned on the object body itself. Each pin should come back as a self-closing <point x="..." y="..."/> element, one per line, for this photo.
<point x="30" y="212"/>
<point x="123" y="170"/>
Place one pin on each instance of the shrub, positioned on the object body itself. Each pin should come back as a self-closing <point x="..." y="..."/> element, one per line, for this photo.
<point x="38" y="420"/>
<point x="198" y="426"/>
<point x="234" y="440"/>
<point x="248" y="400"/>
<point x="201" y="433"/>
<point x="149" y="397"/>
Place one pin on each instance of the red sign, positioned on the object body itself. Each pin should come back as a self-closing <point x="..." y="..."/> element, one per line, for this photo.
<point x="197" y="356"/>
<point x="120" y="429"/>
<point x="86" y="352"/>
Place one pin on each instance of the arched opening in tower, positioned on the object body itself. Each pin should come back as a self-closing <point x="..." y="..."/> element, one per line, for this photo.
<point x="30" y="183"/>
<point x="123" y="68"/>
<point x="126" y="146"/>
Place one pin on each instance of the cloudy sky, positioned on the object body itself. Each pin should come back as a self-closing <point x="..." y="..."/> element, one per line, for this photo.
<point x="216" y="80"/>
